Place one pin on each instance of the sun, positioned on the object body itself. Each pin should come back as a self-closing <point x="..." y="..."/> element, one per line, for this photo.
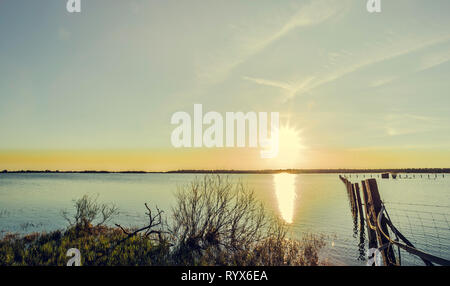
<point x="289" y="147"/>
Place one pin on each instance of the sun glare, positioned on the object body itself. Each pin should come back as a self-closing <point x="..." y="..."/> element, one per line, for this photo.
<point x="289" y="147"/>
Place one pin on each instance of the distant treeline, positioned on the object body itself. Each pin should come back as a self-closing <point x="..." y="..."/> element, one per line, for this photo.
<point x="270" y="171"/>
<point x="78" y="172"/>
<point x="317" y="171"/>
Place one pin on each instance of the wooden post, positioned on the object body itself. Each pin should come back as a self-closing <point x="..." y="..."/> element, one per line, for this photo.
<point x="371" y="235"/>
<point x="355" y="200"/>
<point x="361" y="222"/>
<point x="358" y="202"/>
<point x="375" y="204"/>
<point x="352" y="198"/>
<point x="348" y="192"/>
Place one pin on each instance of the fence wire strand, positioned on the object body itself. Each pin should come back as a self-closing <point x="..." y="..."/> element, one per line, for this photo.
<point x="428" y="228"/>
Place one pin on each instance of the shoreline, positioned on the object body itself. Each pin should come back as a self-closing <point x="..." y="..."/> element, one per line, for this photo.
<point x="268" y="171"/>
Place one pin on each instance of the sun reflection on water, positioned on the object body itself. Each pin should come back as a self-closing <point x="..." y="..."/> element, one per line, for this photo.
<point x="285" y="193"/>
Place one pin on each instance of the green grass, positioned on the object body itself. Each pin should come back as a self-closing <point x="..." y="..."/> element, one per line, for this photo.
<point x="98" y="246"/>
<point x="104" y="246"/>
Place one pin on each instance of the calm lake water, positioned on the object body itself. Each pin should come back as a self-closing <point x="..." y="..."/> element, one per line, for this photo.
<point x="418" y="205"/>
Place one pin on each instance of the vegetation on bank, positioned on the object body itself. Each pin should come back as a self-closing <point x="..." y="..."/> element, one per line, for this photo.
<point x="214" y="222"/>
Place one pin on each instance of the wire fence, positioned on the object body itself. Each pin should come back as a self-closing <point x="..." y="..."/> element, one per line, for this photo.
<point x="426" y="226"/>
<point x="407" y="233"/>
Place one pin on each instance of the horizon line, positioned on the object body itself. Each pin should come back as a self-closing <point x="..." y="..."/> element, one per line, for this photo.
<point x="243" y="171"/>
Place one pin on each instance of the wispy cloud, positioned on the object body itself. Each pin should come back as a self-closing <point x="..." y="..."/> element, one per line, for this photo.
<point x="311" y="14"/>
<point x="382" y="81"/>
<point x="290" y="88"/>
<point x="434" y="60"/>
<point x="317" y="80"/>
<point x="374" y="60"/>
<point x="403" y="124"/>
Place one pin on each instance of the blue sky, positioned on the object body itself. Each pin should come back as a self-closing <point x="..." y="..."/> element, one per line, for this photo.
<point x="111" y="76"/>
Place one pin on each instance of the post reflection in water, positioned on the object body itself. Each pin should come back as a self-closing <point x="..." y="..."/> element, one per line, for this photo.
<point x="285" y="193"/>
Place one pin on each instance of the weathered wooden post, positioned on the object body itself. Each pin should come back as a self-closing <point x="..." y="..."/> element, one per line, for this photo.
<point x="361" y="220"/>
<point x="352" y="198"/>
<point x="355" y="201"/>
<point x="371" y="235"/>
<point x="375" y="209"/>
<point x="359" y="203"/>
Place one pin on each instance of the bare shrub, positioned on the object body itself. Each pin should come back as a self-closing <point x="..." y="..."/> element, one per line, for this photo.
<point x="218" y="222"/>
<point x="212" y="213"/>
<point x="88" y="210"/>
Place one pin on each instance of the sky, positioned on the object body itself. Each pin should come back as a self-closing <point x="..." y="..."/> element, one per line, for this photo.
<point x="97" y="89"/>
